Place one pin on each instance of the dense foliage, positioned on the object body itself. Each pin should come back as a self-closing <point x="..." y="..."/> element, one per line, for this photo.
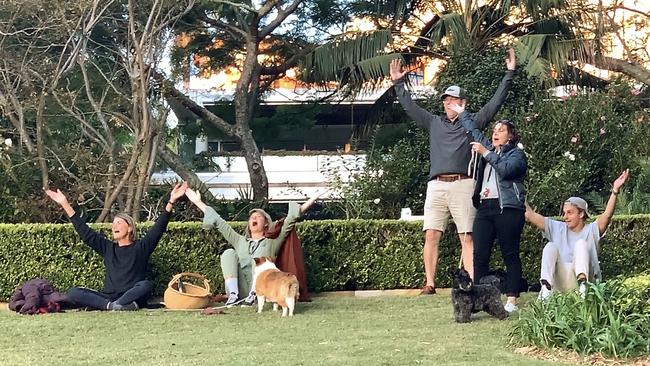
<point x="340" y="255"/>
<point x="611" y="320"/>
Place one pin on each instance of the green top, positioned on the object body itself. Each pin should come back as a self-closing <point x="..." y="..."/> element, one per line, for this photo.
<point x="247" y="248"/>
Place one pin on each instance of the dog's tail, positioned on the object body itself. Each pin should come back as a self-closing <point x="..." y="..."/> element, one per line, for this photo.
<point x="292" y="288"/>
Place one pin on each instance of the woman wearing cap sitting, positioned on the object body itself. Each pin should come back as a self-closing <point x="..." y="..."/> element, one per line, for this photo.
<point x="571" y="256"/>
<point x="237" y="263"/>
<point x="499" y="197"/>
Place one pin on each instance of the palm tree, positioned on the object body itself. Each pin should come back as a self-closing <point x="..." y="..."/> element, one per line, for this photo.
<point x="553" y="38"/>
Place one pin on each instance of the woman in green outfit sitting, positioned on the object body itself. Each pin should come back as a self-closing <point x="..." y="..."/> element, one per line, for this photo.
<point x="237" y="263"/>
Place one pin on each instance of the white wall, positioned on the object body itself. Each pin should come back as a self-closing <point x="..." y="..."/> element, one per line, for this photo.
<point x="291" y="177"/>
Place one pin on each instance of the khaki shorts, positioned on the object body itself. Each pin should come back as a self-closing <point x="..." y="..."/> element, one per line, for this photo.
<point x="444" y="198"/>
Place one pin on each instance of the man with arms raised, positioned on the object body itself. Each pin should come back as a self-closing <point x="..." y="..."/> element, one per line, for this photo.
<point x="450" y="186"/>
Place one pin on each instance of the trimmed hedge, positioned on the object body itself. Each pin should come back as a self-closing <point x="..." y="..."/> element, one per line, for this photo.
<point x="340" y="255"/>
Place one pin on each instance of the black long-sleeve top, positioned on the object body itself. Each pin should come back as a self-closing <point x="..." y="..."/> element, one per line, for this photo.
<point x="124" y="265"/>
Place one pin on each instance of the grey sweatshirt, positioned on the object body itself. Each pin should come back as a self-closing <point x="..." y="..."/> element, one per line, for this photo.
<point x="449" y="148"/>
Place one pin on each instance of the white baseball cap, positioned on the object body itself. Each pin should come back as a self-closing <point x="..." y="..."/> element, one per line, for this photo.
<point x="579" y="203"/>
<point x="454" y="91"/>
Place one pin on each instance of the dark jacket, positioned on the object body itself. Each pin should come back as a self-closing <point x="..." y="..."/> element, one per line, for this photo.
<point x="36" y="296"/>
<point x="510" y="165"/>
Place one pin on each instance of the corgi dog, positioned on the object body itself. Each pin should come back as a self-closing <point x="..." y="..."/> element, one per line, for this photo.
<point x="275" y="286"/>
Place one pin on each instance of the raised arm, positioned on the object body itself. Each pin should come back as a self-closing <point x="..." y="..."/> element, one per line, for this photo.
<point x="151" y="239"/>
<point x="606" y="217"/>
<point x="61" y="200"/>
<point x="470" y="126"/>
<point x="287" y="226"/>
<point x="90" y="237"/>
<point x="305" y="206"/>
<point x="211" y="218"/>
<point x="420" y="115"/>
<point x="490" y="109"/>
<point x="534" y="218"/>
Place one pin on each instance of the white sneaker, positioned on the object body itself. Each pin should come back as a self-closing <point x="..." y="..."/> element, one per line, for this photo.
<point x="249" y="300"/>
<point x="544" y="294"/>
<point x="582" y="289"/>
<point x="510" y="307"/>
<point x="232" y="300"/>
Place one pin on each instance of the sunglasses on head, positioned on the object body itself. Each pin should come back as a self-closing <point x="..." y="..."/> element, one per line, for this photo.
<point x="506" y="122"/>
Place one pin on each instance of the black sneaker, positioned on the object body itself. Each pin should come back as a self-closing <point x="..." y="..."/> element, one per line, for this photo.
<point x="132" y="306"/>
<point x="232" y="300"/>
<point x="249" y="300"/>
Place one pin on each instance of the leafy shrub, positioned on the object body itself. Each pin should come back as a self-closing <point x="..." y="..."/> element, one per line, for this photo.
<point x="581" y="144"/>
<point x="603" y="322"/>
<point x="639" y="299"/>
<point x="340" y="255"/>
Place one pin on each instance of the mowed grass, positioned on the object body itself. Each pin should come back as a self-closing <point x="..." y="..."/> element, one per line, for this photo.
<point x="328" y="331"/>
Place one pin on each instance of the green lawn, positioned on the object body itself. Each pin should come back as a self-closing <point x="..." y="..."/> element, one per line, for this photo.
<point x="332" y="331"/>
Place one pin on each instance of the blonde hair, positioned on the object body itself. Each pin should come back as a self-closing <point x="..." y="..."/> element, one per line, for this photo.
<point x="129" y="221"/>
<point x="264" y="214"/>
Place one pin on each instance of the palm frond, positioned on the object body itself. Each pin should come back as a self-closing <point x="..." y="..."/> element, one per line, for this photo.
<point x="540" y="9"/>
<point x="542" y="53"/>
<point x="363" y="57"/>
<point x="450" y="31"/>
<point x="528" y="50"/>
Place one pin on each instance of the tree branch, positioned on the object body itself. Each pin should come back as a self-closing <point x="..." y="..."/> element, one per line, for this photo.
<point x="174" y="162"/>
<point x="282" y="15"/>
<point x="266" y="8"/>
<point x="628" y="68"/>
<point x="170" y="91"/>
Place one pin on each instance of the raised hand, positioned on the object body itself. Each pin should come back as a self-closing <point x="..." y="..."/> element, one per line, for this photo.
<point x="305" y="206"/>
<point x="193" y="195"/>
<point x="57" y="196"/>
<point x="60" y="198"/>
<point x="511" y="62"/>
<point x="616" y="186"/>
<point x="396" y="71"/>
<point x="604" y="219"/>
<point x="178" y="191"/>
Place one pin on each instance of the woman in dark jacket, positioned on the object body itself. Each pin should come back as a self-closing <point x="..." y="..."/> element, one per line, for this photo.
<point x="499" y="197"/>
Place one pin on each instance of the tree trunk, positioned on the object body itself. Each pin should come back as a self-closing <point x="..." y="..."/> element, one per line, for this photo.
<point x="242" y="133"/>
<point x="174" y="162"/>
<point x="256" y="171"/>
<point x="40" y="147"/>
<point x="245" y="100"/>
<point x="130" y="192"/>
<point x="108" y="202"/>
<point x="142" y="178"/>
<point x="628" y="68"/>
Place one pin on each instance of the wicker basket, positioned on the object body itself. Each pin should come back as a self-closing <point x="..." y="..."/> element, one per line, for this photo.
<point x="193" y="296"/>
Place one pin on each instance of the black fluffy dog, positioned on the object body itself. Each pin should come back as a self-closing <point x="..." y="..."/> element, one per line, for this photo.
<point x="498" y="278"/>
<point x="469" y="298"/>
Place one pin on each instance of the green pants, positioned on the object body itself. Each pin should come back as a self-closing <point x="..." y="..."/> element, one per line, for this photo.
<point x="231" y="267"/>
